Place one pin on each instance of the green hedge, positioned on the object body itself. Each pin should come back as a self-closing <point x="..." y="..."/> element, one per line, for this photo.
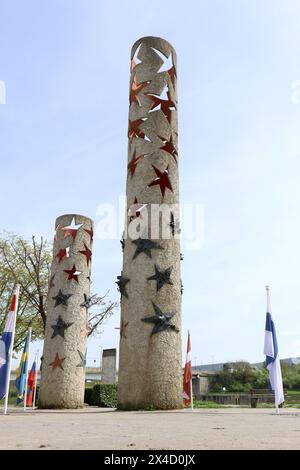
<point x="88" y="396"/>
<point x="104" y="395"/>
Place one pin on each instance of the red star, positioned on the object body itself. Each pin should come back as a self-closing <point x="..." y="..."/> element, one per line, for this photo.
<point x="72" y="273"/>
<point x="134" y="162"/>
<point x="63" y="253"/>
<point x="162" y="179"/>
<point x="135" y="90"/>
<point x="90" y="232"/>
<point x="169" y="147"/>
<point x="71" y="229"/>
<point x="165" y="105"/>
<point x="134" y="130"/>
<point x="57" y="362"/>
<point x="87" y="252"/>
<point x="51" y="282"/>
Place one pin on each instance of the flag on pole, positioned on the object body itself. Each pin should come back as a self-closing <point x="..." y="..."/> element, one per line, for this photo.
<point x="187" y="376"/>
<point x="20" y="381"/>
<point x="272" y="358"/>
<point x="6" y="344"/>
<point x="31" y="383"/>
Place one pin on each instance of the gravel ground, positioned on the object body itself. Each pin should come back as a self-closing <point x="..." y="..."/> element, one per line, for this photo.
<point x="99" y="428"/>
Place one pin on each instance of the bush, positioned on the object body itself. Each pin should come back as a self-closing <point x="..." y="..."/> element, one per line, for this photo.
<point x="238" y="387"/>
<point x="105" y="395"/>
<point x="88" y="396"/>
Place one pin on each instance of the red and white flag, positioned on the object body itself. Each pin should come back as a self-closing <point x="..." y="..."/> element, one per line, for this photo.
<point x="187" y="376"/>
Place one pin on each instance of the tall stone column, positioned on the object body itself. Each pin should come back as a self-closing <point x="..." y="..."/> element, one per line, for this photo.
<point x="64" y="356"/>
<point x="150" y="368"/>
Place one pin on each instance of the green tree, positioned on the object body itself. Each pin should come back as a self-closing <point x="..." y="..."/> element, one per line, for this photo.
<point x="290" y="376"/>
<point x="237" y="376"/>
<point x="242" y="377"/>
<point x="28" y="263"/>
<point x="262" y="378"/>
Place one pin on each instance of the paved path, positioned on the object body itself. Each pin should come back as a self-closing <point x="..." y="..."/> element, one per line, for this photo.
<point x="99" y="428"/>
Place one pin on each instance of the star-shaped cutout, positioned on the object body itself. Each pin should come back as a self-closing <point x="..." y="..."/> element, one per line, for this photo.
<point x="61" y="299"/>
<point x="134" y="162"/>
<point x="133" y="64"/>
<point x="162" y="321"/>
<point x="144" y="245"/>
<point x="87" y="253"/>
<point x="167" y="60"/>
<point x="89" y="301"/>
<point x="71" y="229"/>
<point x="122" y="241"/>
<point x="57" y="362"/>
<point x="135" y="90"/>
<point x="135" y="209"/>
<point x="121" y="282"/>
<point x="167" y="106"/>
<point x="135" y="60"/>
<point x="60" y="327"/>
<point x="123" y="329"/>
<point x="169" y="147"/>
<point x="72" y="273"/>
<point x="161" y="277"/>
<point x="175" y="227"/>
<point x="63" y="253"/>
<point x="162" y="180"/>
<point x="90" y="232"/>
<point x="82" y="356"/>
<point x="167" y="66"/>
<point x="134" y="130"/>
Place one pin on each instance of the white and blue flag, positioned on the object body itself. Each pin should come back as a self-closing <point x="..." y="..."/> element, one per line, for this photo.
<point x="272" y="358"/>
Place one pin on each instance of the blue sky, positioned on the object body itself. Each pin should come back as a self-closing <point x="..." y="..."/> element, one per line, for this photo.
<point x="63" y="148"/>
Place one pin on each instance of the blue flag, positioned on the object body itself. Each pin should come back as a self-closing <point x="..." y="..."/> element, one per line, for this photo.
<point x="20" y="381"/>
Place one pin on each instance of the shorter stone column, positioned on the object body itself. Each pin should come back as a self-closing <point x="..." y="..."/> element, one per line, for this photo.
<point x="64" y="356"/>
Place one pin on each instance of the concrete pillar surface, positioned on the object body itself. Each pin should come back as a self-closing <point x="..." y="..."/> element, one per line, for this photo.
<point x="150" y="369"/>
<point x="65" y="345"/>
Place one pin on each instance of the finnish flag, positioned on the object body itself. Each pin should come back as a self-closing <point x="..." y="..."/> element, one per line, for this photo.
<point x="272" y="358"/>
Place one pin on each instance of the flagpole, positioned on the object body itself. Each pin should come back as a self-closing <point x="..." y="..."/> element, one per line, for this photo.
<point x="192" y="399"/>
<point x="191" y="383"/>
<point x="268" y="305"/>
<point x="26" y="369"/>
<point x="17" y="291"/>
<point x="35" y="379"/>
